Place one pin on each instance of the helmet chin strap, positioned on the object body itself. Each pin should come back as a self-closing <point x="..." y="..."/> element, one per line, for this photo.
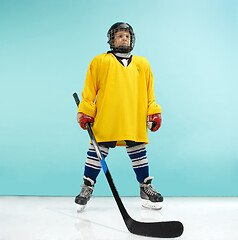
<point x="122" y="49"/>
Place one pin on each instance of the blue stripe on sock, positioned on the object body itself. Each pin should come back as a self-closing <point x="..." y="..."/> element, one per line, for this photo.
<point x="89" y="170"/>
<point x="141" y="173"/>
<point x="91" y="173"/>
<point x="137" y="155"/>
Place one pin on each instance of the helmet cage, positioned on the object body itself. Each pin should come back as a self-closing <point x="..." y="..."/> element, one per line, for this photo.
<point x="120" y="26"/>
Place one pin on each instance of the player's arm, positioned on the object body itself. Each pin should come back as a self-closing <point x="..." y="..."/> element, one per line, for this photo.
<point x="154" y="110"/>
<point x="87" y="107"/>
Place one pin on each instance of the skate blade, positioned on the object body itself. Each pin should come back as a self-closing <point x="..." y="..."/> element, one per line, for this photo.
<point x="151" y="205"/>
<point x="80" y="208"/>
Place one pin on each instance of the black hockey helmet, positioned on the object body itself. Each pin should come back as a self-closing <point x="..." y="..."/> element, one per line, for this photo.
<point x="111" y="34"/>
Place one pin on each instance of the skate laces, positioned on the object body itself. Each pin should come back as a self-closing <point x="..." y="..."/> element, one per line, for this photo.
<point x="149" y="189"/>
<point x="86" y="191"/>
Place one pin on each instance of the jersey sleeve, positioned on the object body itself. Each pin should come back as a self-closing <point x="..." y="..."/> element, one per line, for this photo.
<point x="87" y="105"/>
<point x="152" y="106"/>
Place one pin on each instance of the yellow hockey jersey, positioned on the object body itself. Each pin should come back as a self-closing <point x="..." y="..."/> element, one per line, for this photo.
<point x="119" y="98"/>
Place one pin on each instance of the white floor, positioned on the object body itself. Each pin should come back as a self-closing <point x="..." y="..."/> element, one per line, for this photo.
<point x="55" y="218"/>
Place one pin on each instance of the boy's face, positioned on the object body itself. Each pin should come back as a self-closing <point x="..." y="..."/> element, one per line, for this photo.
<point x="122" y="38"/>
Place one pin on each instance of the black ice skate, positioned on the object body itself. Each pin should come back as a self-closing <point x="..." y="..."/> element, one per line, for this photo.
<point x="149" y="196"/>
<point x="85" y="194"/>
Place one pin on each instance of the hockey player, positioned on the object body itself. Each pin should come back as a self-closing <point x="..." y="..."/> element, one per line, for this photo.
<point x="118" y="100"/>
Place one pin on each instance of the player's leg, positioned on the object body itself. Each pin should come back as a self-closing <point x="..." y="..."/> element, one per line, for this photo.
<point x="150" y="197"/>
<point x="91" y="171"/>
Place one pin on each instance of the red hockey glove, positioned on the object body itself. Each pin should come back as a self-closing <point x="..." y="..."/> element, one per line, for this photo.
<point x="83" y="119"/>
<point x="154" y="122"/>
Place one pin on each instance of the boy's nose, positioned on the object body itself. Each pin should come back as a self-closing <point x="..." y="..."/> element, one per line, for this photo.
<point x="124" y="38"/>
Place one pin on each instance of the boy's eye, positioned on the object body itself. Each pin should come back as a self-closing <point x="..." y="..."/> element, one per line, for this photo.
<point x="127" y="36"/>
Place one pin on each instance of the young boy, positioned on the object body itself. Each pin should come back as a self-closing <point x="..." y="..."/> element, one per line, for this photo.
<point x="118" y="99"/>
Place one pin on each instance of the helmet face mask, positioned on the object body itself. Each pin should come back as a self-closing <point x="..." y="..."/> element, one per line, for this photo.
<point x="120" y="26"/>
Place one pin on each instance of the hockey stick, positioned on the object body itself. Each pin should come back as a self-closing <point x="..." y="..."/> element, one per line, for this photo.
<point x="169" y="229"/>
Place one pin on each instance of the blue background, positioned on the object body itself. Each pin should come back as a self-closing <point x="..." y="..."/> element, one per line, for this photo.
<point x="45" y="49"/>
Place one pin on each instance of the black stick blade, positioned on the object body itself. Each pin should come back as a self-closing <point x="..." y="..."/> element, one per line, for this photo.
<point x="170" y="229"/>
